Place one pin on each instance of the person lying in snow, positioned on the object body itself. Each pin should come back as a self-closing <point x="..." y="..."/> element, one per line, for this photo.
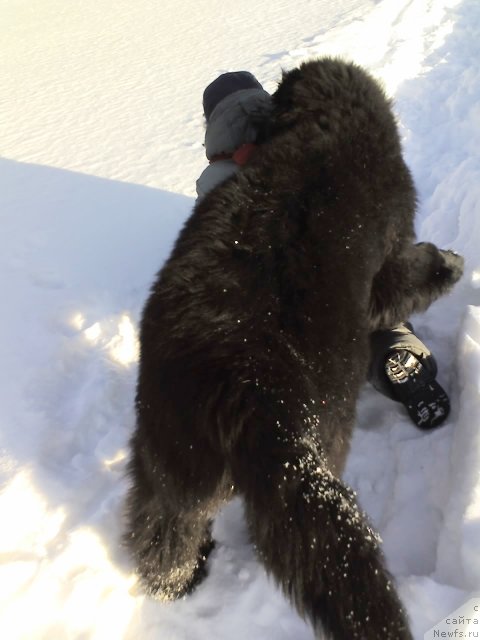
<point x="402" y="368"/>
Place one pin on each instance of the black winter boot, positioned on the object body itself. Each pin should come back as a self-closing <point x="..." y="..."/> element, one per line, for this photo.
<point x="403" y="368"/>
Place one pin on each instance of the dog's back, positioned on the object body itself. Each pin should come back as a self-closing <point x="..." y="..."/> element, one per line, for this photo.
<point x="254" y="344"/>
<point x="299" y="234"/>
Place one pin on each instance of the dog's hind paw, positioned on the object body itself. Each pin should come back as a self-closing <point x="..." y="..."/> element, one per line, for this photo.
<point x="178" y="581"/>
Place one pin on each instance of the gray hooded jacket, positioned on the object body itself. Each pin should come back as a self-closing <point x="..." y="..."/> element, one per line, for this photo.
<point x="233" y="122"/>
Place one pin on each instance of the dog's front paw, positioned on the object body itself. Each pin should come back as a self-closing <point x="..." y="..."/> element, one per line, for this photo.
<point x="450" y="269"/>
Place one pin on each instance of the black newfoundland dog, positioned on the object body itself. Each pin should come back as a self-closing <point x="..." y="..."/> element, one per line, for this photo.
<point x="255" y="343"/>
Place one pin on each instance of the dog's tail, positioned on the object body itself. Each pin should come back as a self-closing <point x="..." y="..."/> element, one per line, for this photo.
<point x="311" y="536"/>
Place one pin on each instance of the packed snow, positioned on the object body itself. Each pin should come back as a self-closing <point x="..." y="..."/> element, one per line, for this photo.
<point x="101" y="141"/>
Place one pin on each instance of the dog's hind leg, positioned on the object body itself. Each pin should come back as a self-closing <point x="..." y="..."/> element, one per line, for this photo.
<point x="170" y="548"/>
<point x="311" y="536"/>
<point x="169" y="532"/>
<point x="410" y="280"/>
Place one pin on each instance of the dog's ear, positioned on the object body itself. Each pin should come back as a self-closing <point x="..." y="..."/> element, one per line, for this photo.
<point x="284" y="104"/>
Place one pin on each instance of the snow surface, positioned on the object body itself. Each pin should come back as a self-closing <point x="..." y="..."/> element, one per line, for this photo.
<point x="101" y="142"/>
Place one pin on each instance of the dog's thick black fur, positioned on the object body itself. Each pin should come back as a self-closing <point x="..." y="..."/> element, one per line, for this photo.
<point x="254" y="345"/>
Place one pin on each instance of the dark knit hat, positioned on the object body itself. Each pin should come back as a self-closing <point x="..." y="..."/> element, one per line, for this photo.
<point x="224" y="85"/>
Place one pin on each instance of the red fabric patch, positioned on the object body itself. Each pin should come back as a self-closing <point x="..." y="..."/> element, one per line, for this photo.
<point x="243" y="153"/>
<point x="241" y="156"/>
